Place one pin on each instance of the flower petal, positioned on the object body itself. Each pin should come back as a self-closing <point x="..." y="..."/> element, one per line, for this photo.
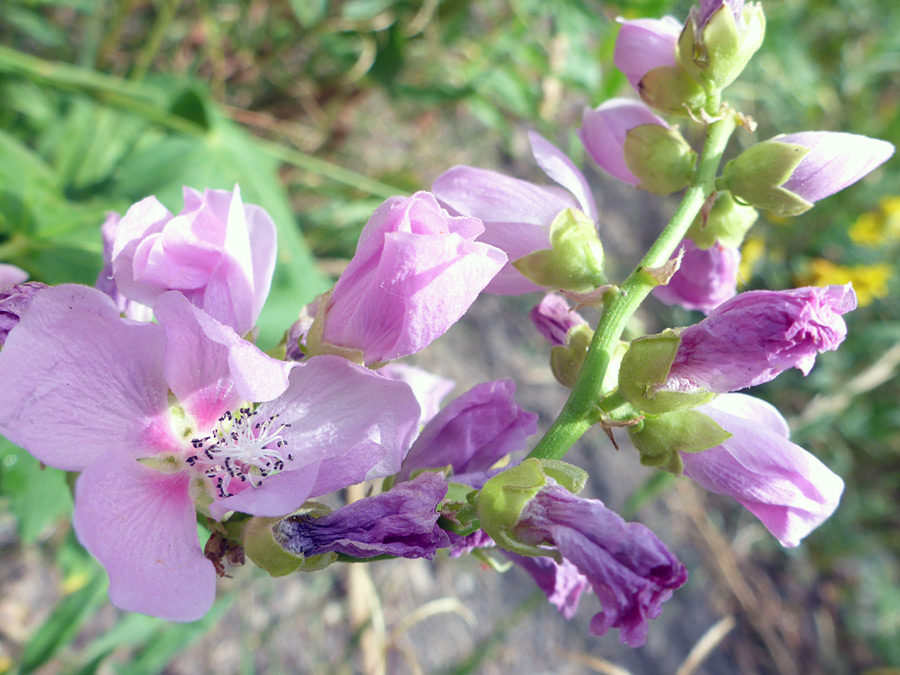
<point x="557" y="165"/>
<point x="140" y="524"/>
<point x="208" y="367"/>
<point x="333" y="405"/>
<point x="79" y="381"/>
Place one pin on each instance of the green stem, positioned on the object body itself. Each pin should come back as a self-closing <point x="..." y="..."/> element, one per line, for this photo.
<point x="620" y="304"/>
<point x="154" y="40"/>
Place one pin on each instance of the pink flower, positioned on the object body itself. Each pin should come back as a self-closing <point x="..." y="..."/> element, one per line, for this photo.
<point x="755" y="336"/>
<point x="788" y="489"/>
<point x="835" y="161"/>
<point x="603" y="132"/>
<point x="430" y="389"/>
<point x="416" y="271"/>
<point x="516" y="214"/>
<point x="645" y="44"/>
<point x="164" y="418"/>
<point x="219" y="252"/>
<point x="705" y="279"/>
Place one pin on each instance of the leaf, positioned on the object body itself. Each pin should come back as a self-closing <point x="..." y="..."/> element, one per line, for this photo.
<point x="308" y="12"/>
<point x="38" y="496"/>
<point x="174" y="639"/>
<point x="63" y="625"/>
<point x="131" y="630"/>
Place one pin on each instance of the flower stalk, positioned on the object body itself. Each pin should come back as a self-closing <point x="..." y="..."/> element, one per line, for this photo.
<point x="621" y="303"/>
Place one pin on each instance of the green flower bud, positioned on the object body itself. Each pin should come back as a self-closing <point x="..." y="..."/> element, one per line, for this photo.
<point x="644" y="370"/>
<point x="659" y="439"/>
<point x="670" y="89"/>
<point x="726" y="223"/>
<point x="575" y="260"/>
<point x="757" y="174"/>
<point x="715" y="49"/>
<point x="660" y="158"/>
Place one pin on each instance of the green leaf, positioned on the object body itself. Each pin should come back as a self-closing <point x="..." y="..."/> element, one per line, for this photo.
<point x="308" y="12"/>
<point x="38" y="496"/>
<point x="130" y="631"/>
<point x="65" y="621"/>
<point x="173" y="640"/>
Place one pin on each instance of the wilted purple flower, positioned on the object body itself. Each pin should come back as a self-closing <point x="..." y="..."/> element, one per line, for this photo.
<point x="430" y="389"/>
<point x="516" y="214"/>
<point x="219" y="252"/>
<point x="562" y="583"/>
<point x="401" y="522"/>
<point x="473" y="432"/>
<point x="783" y="485"/>
<point x="705" y="279"/>
<point x="416" y="271"/>
<point x="645" y="44"/>
<point x="10" y="275"/>
<point x="835" y="161"/>
<point x="629" y="568"/>
<point x="14" y="300"/>
<point x="463" y="545"/>
<point x="553" y="318"/>
<point x="753" y="337"/>
<point x="603" y="131"/>
<point x="156" y="415"/>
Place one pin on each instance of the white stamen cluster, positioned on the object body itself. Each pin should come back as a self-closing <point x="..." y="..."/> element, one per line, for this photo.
<point x="241" y="447"/>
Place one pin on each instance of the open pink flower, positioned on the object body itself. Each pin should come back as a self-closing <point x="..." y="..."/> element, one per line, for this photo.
<point x="783" y="485"/>
<point x="162" y="418"/>
<point x="218" y="251"/>
<point x="516" y="214"/>
<point x="416" y="271"/>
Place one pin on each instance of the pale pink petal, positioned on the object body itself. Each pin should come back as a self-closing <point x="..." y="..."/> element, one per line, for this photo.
<point x="332" y="405"/>
<point x="10" y="275"/>
<point x="561" y="169"/>
<point x="278" y="495"/>
<point x="141" y="525"/>
<point x="645" y="44"/>
<point x="145" y="218"/>
<point x="208" y="367"/>
<point x="79" y="381"/>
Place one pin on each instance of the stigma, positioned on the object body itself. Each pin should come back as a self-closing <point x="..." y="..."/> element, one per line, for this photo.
<point x="243" y="448"/>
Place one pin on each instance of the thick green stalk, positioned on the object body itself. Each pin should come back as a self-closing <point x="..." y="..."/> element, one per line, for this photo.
<point x="577" y="415"/>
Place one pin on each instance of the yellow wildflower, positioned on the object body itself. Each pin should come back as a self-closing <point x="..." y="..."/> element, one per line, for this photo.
<point x="875" y="228"/>
<point x="869" y="281"/>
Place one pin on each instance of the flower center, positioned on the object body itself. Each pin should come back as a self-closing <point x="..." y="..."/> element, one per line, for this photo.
<point x="242" y="447"/>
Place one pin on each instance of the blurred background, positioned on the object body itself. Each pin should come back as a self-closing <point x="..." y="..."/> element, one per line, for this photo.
<point x="320" y="110"/>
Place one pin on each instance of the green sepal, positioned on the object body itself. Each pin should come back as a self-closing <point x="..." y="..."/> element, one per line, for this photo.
<point x="660" y="439"/>
<point x="501" y="500"/>
<point x="569" y="476"/>
<point x="670" y="89"/>
<point x="721" y="52"/>
<point x="660" y="158"/>
<point x="756" y="175"/>
<point x="645" y="368"/>
<point x="457" y="510"/>
<point x="316" y="346"/>
<point x="727" y="223"/>
<point x="261" y="544"/>
<point x="574" y="261"/>
<point x="565" y="362"/>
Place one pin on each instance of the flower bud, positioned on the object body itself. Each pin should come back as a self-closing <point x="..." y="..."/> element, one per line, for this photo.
<point x="644" y="371"/>
<point x="645" y="44"/>
<point x="718" y="40"/>
<point x="726" y="224"/>
<point x="787" y="174"/>
<point x="416" y="271"/>
<point x="628" y="141"/>
<point x="671" y="89"/>
<point x="575" y="260"/>
<point x="705" y="278"/>
<point x="553" y="318"/>
<point x="660" y="438"/>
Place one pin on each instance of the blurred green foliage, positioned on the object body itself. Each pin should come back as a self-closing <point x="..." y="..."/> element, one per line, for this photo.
<point x="321" y="109"/>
